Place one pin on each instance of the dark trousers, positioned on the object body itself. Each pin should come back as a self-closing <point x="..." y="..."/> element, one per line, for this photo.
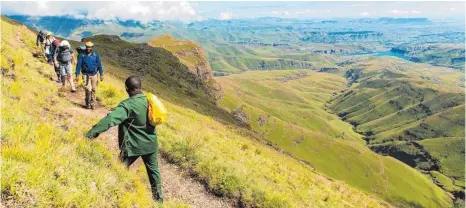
<point x="152" y="167"/>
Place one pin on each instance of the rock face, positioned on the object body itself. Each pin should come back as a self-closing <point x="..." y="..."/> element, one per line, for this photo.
<point x="192" y="55"/>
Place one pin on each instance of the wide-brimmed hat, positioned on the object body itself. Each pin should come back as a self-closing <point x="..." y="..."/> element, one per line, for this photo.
<point x="89" y="44"/>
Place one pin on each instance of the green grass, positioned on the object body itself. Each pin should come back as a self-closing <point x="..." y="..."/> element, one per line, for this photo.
<point x="445" y="182"/>
<point x="46" y="162"/>
<point x="298" y="124"/>
<point x="409" y="102"/>
<point x="450" y="153"/>
<point x="188" y="51"/>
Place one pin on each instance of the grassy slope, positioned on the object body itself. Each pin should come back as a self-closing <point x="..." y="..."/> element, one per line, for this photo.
<point x="450" y="153"/>
<point x="45" y="160"/>
<point x="402" y="101"/>
<point x="46" y="168"/>
<point x="299" y="125"/>
<point x="178" y="47"/>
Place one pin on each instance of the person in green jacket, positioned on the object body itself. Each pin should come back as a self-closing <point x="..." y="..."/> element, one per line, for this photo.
<point x="136" y="136"/>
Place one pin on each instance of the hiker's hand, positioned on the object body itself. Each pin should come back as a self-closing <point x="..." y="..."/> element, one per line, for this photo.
<point x="56" y="64"/>
<point x="101" y="78"/>
<point x="89" y="136"/>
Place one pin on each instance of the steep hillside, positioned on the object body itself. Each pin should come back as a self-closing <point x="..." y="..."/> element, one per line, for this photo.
<point x="164" y="71"/>
<point x="397" y="104"/>
<point x="287" y="109"/>
<point x="47" y="163"/>
<point x="192" y="56"/>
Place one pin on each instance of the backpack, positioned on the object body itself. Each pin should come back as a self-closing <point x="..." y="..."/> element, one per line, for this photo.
<point x="81" y="49"/>
<point x="48" y="41"/>
<point x="64" y="54"/>
<point x="56" y="43"/>
<point x="157" y="114"/>
<point x="41" y="36"/>
<point x="87" y="70"/>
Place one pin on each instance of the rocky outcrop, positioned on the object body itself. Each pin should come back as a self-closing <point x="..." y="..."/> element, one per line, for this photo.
<point x="192" y="55"/>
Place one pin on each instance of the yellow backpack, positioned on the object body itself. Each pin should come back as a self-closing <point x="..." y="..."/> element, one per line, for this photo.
<point x="157" y="113"/>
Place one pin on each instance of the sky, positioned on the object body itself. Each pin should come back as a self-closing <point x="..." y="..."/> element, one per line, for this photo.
<point x="197" y="11"/>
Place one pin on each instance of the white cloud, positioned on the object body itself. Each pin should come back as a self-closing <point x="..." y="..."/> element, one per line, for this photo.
<point x="123" y="10"/>
<point x="398" y="12"/>
<point x="226" y="15"/>
<point x="297" y="13"/>
<point x="364" y="13"/>
<point x="452" y="9"/>
<point x="281" y="13"/>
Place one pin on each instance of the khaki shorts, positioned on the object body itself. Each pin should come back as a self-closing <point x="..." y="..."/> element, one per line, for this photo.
<point x="90" y="82"/>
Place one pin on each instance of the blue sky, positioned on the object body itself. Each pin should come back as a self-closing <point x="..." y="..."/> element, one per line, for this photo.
<point x="195" y="11"/>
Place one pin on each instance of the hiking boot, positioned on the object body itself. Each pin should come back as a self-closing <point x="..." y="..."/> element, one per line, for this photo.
<point x="93" y="106"/>
<point x="73" y="90"/>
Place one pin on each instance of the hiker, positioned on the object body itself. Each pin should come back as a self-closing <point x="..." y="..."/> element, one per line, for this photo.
<point x="89" y="63"/>
<point x="40" y="41"/>
<point x="48" y="42"/>
<point x="136" y="136"/>
<point x="64" y="58"/>
<point x="82" y="48"/>
<point x="53" y="47"/>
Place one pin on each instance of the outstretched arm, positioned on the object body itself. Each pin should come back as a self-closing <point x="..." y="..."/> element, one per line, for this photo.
<point x="117" y="116"/>
<point x="99" y="66"/>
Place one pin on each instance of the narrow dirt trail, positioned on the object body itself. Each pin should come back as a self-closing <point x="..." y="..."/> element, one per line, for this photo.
<point x="177" y="184"/>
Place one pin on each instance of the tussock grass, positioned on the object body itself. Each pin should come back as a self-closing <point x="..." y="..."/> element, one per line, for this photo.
<point x="46" y="162"/>
<point x="108" y="94"/>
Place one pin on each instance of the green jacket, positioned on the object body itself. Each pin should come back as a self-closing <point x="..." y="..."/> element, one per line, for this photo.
<point x="136" y="136"/>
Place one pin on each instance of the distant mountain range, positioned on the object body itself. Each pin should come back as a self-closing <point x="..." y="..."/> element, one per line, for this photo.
<point x="269" y="43"/>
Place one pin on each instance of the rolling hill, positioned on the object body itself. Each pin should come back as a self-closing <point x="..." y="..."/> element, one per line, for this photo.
<point x="413" y="112"/>
<point x="286" y="108"/>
